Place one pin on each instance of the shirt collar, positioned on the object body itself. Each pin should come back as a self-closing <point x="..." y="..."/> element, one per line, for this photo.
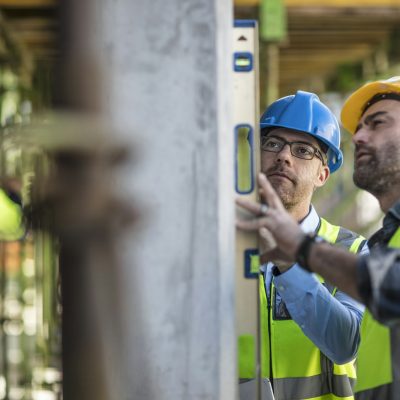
<point x="311" y="222"/>
<point x="390" y="223"/>
<point x="395" y="210"/>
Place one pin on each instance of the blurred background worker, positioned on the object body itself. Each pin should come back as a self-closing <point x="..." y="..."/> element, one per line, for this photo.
<point x="11" y="227"/>
<point x="310" y="330"/>
<point x="372" y="115"/>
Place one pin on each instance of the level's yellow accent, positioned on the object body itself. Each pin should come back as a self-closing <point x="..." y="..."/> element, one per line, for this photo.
<point x="247" y="356"/>
<point x="255" y="264"/>
<point x="244" y="158"/>
<point x="326" y="3"/>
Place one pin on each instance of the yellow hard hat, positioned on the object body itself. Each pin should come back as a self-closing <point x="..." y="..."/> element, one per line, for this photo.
<point x="354" y="106"/>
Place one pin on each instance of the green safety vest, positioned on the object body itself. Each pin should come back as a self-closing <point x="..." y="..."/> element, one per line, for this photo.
<point x="299" y="369"/>
<point x="11" y="227"/>
<point x="374" y="360"/>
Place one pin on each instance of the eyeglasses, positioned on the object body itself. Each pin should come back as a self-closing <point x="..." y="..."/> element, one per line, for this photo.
<point x="302" y="150"/>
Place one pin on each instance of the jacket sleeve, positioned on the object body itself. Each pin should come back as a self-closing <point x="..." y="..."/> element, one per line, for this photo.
<point x="379" y="284"/>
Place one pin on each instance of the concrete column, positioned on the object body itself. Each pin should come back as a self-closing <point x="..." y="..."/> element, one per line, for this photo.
<point x="170" y="94"/>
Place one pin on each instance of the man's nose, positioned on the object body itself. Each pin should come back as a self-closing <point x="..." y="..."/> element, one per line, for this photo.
<point x="285" y="154"/>
<point x="361" y="136"/>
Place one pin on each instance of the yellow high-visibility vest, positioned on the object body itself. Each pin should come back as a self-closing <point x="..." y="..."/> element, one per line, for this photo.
<point x="374" y="360"/>
<point x="299" y="369"/>
<point x="10" y="218"/>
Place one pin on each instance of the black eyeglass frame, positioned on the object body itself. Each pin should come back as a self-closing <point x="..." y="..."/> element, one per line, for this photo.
<point x="317" y="152"/>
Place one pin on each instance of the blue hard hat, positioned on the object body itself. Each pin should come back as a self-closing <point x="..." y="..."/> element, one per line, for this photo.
<point x="304" y="112"/>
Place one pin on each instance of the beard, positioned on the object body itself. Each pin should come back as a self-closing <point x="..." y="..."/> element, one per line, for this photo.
<point x="291" y="192"/>
<point x="380" y="171"/>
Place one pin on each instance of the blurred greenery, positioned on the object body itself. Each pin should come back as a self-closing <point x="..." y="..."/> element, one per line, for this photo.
<point x="346" y="78"/>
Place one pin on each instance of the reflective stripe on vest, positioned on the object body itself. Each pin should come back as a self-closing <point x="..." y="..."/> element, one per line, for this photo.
<point x="375" y="347"/>
<point x="300" y="370"/>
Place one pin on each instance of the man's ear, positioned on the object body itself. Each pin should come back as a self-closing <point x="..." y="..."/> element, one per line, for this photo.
<point x="323" y="175"/>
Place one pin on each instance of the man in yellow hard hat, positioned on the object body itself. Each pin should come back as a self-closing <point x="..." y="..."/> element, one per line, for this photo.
<point x="372" y="115"/>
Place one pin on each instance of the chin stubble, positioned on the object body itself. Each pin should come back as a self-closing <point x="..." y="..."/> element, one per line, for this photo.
<point x="381" y="172"/>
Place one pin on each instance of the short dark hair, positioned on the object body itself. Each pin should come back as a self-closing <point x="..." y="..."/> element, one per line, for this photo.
<point x="378" y="97"/>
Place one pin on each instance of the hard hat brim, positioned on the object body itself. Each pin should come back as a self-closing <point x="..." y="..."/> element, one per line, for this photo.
<point x="354" y="105"/>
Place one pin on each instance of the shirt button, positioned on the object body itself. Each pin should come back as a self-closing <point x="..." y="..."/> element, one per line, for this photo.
<point x="281" y="288"/>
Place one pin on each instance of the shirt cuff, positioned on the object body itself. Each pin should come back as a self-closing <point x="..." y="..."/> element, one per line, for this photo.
<point x="298" y="280"/>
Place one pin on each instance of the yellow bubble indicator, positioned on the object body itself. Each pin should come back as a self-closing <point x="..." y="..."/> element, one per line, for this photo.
<point x="244" y="159"/>
<point x="243" y="62"/>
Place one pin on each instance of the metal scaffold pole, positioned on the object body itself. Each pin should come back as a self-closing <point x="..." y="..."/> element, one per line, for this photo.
<point x="76" y="200"/>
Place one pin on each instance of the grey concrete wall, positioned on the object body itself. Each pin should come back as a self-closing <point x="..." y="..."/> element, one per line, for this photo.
<point x="170" y="95"/>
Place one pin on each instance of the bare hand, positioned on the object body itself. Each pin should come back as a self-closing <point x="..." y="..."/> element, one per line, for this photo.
<point x="281" y="234"/>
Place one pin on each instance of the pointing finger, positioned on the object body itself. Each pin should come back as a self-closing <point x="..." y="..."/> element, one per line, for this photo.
<point x="251" y="224"/>
<point x="268" y="192"/>
<point x="252" y="206"/>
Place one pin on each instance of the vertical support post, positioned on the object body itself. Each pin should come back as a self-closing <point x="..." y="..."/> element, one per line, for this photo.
<point x="171" y="71"/>
<point x="4" y="340"/>
<point x="167" y="89"/>
<point x="247" y="165"/>
<point x="88" y="266"/>
<point x="272" y="77"/>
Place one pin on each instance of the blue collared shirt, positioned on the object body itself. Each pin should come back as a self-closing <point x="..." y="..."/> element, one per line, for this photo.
<point x="332" y="323"/>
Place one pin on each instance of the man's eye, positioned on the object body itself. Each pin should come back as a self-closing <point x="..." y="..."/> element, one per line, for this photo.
<point x="272" y="144"/>
<point x="303" y="150"/>
<point x="376" y="122"/>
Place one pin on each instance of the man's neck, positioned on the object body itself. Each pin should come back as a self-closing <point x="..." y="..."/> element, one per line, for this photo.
<point x="387" y="200"/>
<point x="300" y="211"/>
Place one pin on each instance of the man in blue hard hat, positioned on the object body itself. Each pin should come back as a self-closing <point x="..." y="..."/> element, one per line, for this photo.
<point x="310" y="330"/>
<point x="372" y="115"/>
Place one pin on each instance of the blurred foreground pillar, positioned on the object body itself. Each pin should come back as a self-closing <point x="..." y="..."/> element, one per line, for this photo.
<point x="79" y="203"/>
<point x="170" y="92"/>
<point x="162" y="319"/>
